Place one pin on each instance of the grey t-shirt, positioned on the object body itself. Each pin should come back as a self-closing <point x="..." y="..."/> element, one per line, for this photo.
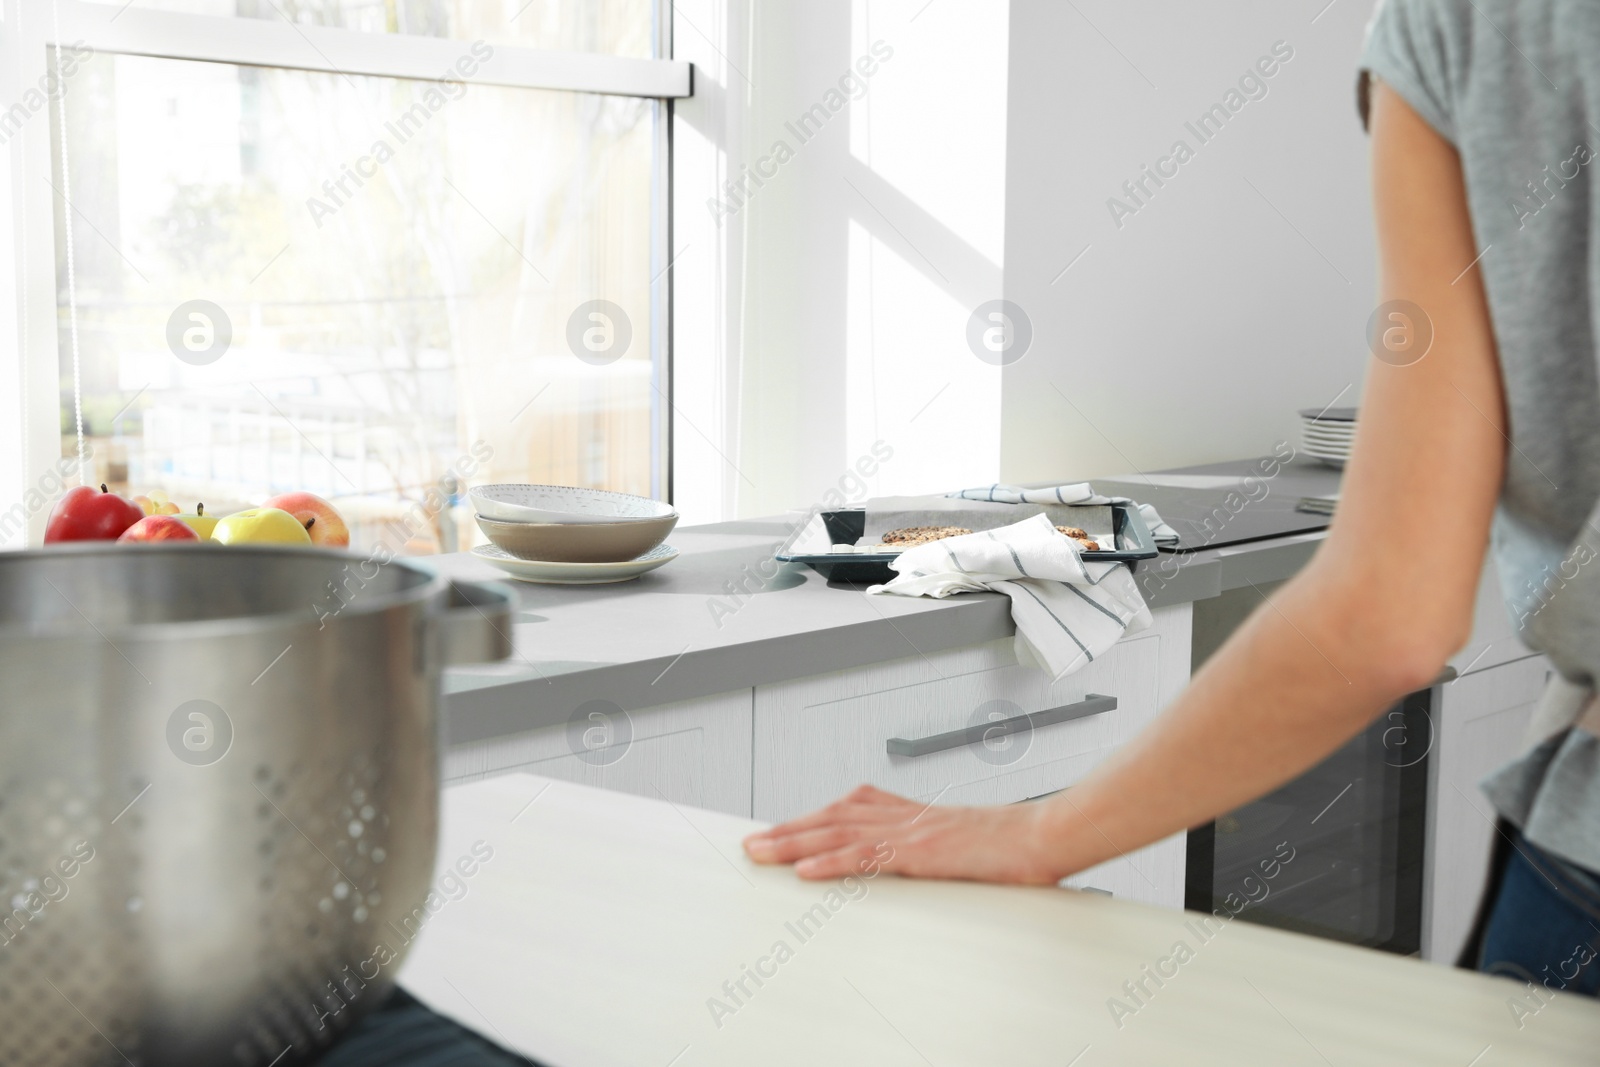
<point x="1515" y="86"/>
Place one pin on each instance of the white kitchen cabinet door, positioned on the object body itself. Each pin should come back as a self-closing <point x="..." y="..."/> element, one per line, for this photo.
<point x="817" y="738"/>
<point x="1494" y="639"/>
<point x="1478" y="728"/>
<point x="695" y="752"/>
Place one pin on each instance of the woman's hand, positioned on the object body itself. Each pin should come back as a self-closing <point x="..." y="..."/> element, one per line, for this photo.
<point x="999" y="844"/>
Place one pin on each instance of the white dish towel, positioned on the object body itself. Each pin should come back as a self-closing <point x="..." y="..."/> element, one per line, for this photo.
<point x="1067" y="611"/>
<point x="1076" y="493"/>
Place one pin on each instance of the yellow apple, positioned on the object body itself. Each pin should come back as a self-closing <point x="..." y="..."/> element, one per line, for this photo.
<point x="260" y="526"/>
<point x="156" y="503"/>
<point x="200" y="522"/>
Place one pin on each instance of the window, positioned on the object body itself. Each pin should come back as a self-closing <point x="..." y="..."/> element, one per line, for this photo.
<point x="367" y="249"/>
<point x="612" y="27"/>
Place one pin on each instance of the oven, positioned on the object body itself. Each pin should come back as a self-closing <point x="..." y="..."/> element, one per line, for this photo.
<point x="1354" y="826"/>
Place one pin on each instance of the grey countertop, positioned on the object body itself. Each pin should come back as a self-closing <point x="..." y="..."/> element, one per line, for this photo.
<point x="725" y="616"/>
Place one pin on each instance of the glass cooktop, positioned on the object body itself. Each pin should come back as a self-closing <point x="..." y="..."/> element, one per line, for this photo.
<point x="1231" y="503"/>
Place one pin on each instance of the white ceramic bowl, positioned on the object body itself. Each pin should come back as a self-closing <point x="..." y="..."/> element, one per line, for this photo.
<point x="523" y="502"/>
<point x="578" y="542"/>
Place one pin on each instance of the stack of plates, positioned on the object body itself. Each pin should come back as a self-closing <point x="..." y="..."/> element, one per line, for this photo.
<point x="1328" y="434"/>
<point x="565" y="535"/>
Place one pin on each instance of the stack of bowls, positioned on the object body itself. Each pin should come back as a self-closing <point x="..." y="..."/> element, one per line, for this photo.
<point x="570" y="535"/>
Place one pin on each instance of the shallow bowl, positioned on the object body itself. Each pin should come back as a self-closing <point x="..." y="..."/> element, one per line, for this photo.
<point x="563" y="504"/>
<point x="555" y="542"/>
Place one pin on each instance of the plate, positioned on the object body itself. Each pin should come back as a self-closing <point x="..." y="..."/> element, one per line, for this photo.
<point x="1329" y="450"/>
<point x="1329" y="414"/>
<point x="526" y="502"/>
<point x="532" y="570"/>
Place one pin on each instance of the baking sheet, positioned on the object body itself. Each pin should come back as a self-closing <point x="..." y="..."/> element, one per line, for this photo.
<point x="1132" y="542"/>
<point x="899" y="512"/>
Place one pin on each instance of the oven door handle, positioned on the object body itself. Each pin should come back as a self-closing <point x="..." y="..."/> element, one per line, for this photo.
<point x="1093" y="704"/>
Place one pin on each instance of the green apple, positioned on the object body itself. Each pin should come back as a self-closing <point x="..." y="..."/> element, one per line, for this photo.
<point x="260" y="526"/>
<point x="200" y="522"/>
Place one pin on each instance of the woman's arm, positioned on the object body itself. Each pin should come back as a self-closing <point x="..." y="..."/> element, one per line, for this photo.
<point x="1384" y="603"/>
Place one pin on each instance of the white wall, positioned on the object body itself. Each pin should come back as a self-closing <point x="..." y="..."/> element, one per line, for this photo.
<point x="707" y="264"/>
<point x="829" y="309"/>
<point x="849" y="273"/>
<point x="1195" y="331"/>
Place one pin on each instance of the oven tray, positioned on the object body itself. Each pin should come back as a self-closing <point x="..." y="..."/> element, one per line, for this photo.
<point x="845" y="527"/>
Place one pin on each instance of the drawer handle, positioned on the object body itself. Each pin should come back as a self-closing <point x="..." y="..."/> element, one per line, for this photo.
<point x="1093" y="704"/>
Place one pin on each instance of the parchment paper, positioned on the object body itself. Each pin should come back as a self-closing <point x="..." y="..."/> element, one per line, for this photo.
<point x="897" y="512"/>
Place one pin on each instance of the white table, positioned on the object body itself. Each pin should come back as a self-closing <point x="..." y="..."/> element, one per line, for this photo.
<point x="603" y="925"/>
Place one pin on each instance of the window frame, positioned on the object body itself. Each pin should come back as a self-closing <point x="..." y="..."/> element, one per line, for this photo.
<point x="30" y="369"/>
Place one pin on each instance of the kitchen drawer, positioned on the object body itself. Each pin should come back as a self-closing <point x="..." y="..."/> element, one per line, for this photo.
<point x="820" y="737"/>
<point x="694" y="752"/>
<point x="815" y="739"/>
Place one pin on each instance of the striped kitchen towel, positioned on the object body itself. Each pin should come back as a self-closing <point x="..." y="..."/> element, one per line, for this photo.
<point x="1076" y="493"/>
<point x="1067" y="610"/>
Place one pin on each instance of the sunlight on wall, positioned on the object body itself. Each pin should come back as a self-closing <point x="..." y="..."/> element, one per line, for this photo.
<point x="927" y="243"/>
<point x="912" y="382"/>
<point x="837" y="251"/>
<point x="935" y="133"/>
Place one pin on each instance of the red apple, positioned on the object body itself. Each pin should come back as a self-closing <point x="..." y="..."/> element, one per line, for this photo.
<point x="160" y="528"/>
<point x="85" y="515"/>
<point x="323" y="524"/>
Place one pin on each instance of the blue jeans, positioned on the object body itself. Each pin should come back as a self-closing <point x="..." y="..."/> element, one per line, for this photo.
<point x="1544" y="926"/>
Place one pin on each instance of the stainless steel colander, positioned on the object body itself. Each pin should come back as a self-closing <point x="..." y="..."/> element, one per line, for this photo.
<point x="218" y="794"/>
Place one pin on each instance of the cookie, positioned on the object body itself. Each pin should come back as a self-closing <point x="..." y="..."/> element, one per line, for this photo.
<point x="1080" y="536"/>
<point x="921" y="535"/>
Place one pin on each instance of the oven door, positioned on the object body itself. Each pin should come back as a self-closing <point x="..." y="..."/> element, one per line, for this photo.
<point x="1354" y="826"/>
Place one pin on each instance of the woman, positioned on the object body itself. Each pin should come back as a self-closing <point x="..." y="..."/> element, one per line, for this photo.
<point x="1482" y="112"/>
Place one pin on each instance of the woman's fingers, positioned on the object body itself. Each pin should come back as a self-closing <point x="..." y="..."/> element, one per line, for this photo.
<point x="871" y="794"/>
<point x="864" y="804"/>
<point x="797" y="846"/>
<point x="865" y="857"/>
<point x="865" y="835"/>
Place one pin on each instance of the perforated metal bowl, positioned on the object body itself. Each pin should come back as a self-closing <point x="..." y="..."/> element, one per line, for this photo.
<point x="218" y="794"/>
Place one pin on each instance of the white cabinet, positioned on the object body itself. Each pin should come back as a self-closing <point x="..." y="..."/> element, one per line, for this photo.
<point x="696" y="752"/>
<point x="817" y="738"/>
<point x="1479" y="725"/>
<point x="1479" y="720"/>
<point x="1494" y="640"/>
